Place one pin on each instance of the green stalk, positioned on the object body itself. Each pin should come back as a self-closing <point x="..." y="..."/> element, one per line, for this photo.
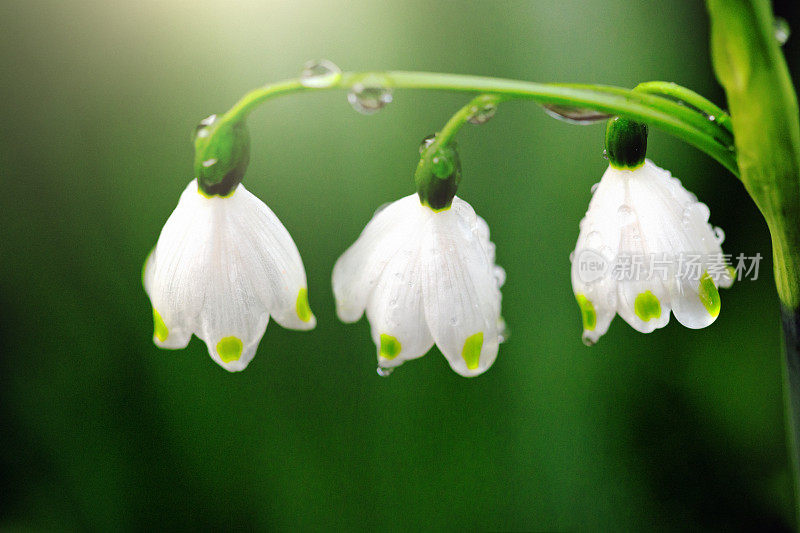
<point x="655" y="110"/>
<point x="764" y="115"/>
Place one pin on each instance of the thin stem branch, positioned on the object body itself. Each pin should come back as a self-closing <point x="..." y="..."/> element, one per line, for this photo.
<point x="689" y="97"/>
<point x="655" y="110"/>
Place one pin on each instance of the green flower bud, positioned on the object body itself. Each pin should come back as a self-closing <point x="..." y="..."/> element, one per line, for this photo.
<point x="438" y="174"/>
<point x="626" y="143"/>
<point x="221" y="155"/>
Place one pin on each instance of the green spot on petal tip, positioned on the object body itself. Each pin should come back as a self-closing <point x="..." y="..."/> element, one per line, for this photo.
<point x="647" y="306"/>
<point x="160" y="330"/>
<point x="229" y="349"/>
<point x="588" y="314"/>
<point x="390" y="346"/>
<point x="472" y="350"/>
<point x="303" y="310"/>
<point x="709" y="295"/>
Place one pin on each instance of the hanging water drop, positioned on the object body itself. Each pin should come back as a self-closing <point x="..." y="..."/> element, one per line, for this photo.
<point x="427" y="141"/>
<point x="625" y="214"/>
<point x="381" y="208"/>
<point x="385" y="372"/>
<point x="503" y="331"/>
<point x="782" y="30"/>
<point x="482" y="115"/>
<point x="370" y="95"/>
<point x="587" y="341"/>
<point x="594" y="187"/>
<point x="499" y="275"/>
<point x="719" y="235"/>
<point x="201" y="130"/>
<point x="319" y="74"/>
<point x="575" y="115"/>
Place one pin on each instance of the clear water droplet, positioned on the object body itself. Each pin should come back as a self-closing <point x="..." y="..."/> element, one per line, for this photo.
<point x="587" y="341"/>
<point x="605" y="154"/>
<point x="594" y="240"/>
<point x="499" y="275"/>
<point x="782" y="30"/>
<point x="201" y="130"/>
<point x="575" y="115"/>
<point x="381" y="208"/>
<point x="625" y="214"/>
<point x="210" y="162"/>
<point x="427" y="141"/>
<point x="453" y="320"/>
<point x="686" y="219"/>
<point x="319" y="74"/>
<point x="719" y="235"/>
<point x="482" y="115"/>
<point x="572" y="256"/>
<point x="385" y="372"/>
<point x="370" y="95"/>
<point x="503" y="333"/>
<point x="712" y="118"/>
<point x="594" y="187"/>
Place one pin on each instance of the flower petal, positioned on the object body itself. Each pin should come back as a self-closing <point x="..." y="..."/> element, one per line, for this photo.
<point x="357" y="271"/>
<point x="268" y="256"/>
<point x="460" y="294"/>
<point x="395" y="311"/>
<point x="174" y="266"/>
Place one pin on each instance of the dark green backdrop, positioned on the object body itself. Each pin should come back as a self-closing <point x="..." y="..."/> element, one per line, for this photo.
<point x="98" y="428"/>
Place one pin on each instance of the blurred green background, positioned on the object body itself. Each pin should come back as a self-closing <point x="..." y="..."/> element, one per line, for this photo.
<point x="679" y="429"/>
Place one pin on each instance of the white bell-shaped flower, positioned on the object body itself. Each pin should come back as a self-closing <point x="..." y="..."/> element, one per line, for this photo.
<point x="424" y="276"/>
<point x="222" y="266"/>
<point x="646" y="249"/>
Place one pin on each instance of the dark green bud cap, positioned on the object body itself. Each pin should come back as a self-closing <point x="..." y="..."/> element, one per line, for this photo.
<point x="626" y="143"/>
<point x="438" y="174"/>
<point x="221" y="155"/>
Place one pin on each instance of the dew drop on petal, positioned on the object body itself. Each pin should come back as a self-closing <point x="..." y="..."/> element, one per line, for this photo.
<point x="370" y="95"/>
<point x="782" y="30"/>
<point x="385" y="372"/>
<point x="381" y="208"/>
<point x="482" y="115"/>
<point x="719" y="235"/>
<point x="319" y="74"/>
<point x="587" y="340"/>
<point x="502" y="330"/>
<point x="572" y="256"/>
<point x="499" y="276"/>
<point x="575" y="115"/>
<point x="625" y="214"/>
<point x="594" y="240"/>
<point x="594" y="187"/>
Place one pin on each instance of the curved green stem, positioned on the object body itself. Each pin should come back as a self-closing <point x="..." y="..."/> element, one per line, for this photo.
<point x="462" y="116"/>
<point x="682" y="94"/>
<point x="655" y="110"/>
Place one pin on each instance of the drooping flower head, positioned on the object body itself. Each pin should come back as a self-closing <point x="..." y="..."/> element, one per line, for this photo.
<point x="645" y="247"/>
<point x="424" y="271"/>
<point x="222" y="266"/>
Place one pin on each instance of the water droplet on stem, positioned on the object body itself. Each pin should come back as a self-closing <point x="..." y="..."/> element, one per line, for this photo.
<point x="370" y="95"/>
<point x="482" y="115"/>
<point x="782" y="30"/>
<point x="320" y="73"/>
<point x="385" y="372"/>
<point x="575" y="115"/>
